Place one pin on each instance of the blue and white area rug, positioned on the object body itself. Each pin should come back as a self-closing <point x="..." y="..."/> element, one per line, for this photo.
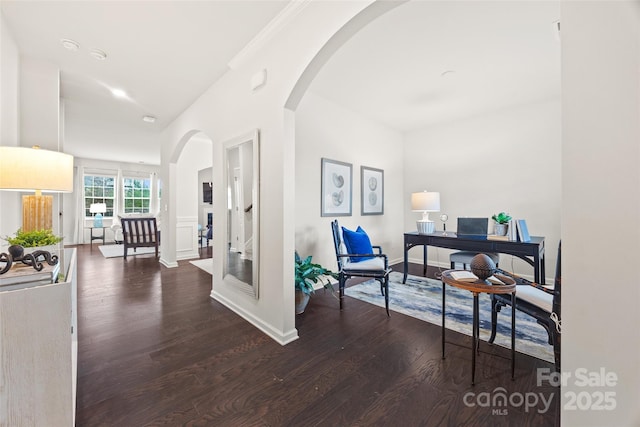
<point x="422" y="298"/>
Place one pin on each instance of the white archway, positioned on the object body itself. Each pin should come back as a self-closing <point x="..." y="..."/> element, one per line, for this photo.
<point x="180" y="205"/>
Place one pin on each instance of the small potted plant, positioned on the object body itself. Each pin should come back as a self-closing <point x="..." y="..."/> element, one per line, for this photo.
<point x="31" y="239"/>
<point x="501" y="223"/>
<point x="307" y="275"/>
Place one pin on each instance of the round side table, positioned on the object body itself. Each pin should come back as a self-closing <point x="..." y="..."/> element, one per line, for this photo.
<point x="476" y="287"/>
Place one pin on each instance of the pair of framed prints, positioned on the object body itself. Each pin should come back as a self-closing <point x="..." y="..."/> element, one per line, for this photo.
<point x="337" y="189"/>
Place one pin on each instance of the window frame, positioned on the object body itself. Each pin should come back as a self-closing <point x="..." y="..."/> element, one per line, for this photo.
<point x="110" y="201"/>
<point x="145" y="194"/>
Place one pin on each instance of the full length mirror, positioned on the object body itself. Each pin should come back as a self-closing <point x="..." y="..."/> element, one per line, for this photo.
<point x="242" y="175"/>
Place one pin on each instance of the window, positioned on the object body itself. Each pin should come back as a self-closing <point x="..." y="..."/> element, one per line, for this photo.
<point x="137" y="195"/>
<point x="99" y="189"/>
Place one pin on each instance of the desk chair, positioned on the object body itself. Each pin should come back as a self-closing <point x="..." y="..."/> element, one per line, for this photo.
<point x="370" y="264"/>
<point x="539" y="301"/>
<point x="464" y="258"/>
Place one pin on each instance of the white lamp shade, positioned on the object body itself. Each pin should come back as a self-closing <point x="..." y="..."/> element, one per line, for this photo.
<point x="425" y="201"/>
<point x="98" y="208"/>
<point x="24" y="169"/>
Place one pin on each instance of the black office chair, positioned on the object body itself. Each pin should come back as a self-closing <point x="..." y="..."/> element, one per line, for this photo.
<point x="465" y="257"/>
<point x="538" y="301"/>
<point x="376" y="265"/>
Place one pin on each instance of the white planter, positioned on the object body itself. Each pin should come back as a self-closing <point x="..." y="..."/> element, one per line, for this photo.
<point x="501" y="229"/>
<point x="302" y="300"/>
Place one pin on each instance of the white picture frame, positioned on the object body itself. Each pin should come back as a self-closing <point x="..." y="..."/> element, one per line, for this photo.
<point x="336" y="188"/>
<point x="371" y="191"/>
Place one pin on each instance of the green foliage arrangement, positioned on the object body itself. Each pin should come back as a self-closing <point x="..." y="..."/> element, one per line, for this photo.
<point x="308" y="274"/>
<point x="501" y="218"/>
<point x="32" y="239"/>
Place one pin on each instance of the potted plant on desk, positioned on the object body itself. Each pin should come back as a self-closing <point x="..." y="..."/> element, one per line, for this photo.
<point x="42" y="244"/>
<point x="501" y="223"/>
<point x="34" y="239"/>
<point x="307" y="275"/>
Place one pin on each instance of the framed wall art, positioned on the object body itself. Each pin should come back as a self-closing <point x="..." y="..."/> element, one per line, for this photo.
<point x="336" y="188"/>
<point x="372" y="191"/>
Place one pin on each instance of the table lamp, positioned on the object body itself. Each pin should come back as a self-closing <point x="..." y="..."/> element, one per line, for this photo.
<point x="29" y="169"/>
<point x="98" y="209"/>
<point x="425" y="202"/>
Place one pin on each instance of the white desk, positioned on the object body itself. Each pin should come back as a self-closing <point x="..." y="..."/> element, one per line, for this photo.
<point x="22" y="276"/>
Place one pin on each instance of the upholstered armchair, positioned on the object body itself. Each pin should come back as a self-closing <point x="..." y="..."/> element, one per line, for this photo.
<point x="539" y="301"/>
<point x="356" y="258"/>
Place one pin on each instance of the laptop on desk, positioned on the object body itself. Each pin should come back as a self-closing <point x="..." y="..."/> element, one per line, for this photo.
<point x="473" y="228"/>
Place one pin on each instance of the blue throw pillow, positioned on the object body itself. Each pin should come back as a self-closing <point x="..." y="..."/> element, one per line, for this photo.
<point x="357" y="242"/>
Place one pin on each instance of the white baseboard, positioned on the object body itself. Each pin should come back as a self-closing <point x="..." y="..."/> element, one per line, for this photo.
<point x="167" y="263"/>
<point x="282" y="338"/>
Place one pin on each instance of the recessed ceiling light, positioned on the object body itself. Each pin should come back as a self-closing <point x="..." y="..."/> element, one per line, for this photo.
<point x="70" y="44"/>
<point x="119" y="93"/>
<point x="149" y="119"/>
<point x="98" y="54"/>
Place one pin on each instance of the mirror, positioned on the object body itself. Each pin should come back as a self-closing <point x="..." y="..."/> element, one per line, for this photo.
<point x="241" y="175"/>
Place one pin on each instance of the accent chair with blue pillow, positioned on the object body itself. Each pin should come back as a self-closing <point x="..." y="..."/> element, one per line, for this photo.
<point x="357" y="257"/>
<point x="357" y="242"/>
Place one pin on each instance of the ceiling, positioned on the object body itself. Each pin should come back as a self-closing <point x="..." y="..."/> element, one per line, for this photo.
<point x="428" y="62"/>
<point x="164" y="54"/>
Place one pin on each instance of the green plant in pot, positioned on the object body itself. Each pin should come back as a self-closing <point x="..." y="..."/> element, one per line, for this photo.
<point x="501" y="223"/>
<point x="31" y="239"/>
<point x="308" y="274"/>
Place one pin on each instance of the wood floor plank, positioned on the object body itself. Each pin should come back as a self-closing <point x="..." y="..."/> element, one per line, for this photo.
<point x="156" y="350"/>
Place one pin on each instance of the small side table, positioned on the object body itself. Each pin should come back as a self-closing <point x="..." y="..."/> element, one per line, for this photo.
<point x="476" y="287"/>
<point x="100" y="237"/>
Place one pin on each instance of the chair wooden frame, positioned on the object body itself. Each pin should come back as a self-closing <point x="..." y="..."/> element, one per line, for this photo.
<point x="140" y="232"/>
<point x="346" y="269"/>
<point x="545" y="318"/>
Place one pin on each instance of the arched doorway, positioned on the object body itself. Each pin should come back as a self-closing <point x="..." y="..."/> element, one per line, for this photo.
<point x="190" y="163"/>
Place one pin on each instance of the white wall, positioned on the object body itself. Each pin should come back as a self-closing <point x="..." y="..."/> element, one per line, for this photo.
<point x="601" y="205"/>
<point x="229" y="109"/>
<point x="195" y="156"/>
<point x="506" y="160"/>
<point x="39" y="103"/>
<point x="10" y="213"/>
<point x="9" y="78"/>
<point x="325" y="129"/>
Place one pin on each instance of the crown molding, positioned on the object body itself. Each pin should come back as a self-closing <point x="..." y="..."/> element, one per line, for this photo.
<point x="283" y="18"/>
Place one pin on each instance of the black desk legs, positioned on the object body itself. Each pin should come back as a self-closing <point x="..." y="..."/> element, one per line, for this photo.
<point x="443" y="320"/>
<point x="406" y="261"/>
<point x="424" y="260"/>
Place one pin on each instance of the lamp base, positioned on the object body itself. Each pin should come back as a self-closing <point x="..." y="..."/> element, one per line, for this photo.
<point x="37" y="212"/>
<point x="97" y="221"/>
<point x="426" y="227"/>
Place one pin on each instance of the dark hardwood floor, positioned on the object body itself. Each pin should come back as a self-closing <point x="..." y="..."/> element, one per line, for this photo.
<point x="155" y="350"/>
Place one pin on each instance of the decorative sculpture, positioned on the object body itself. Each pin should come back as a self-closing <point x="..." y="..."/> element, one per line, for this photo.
<point x="483" y="266"/>
<point x="34" y="259"/>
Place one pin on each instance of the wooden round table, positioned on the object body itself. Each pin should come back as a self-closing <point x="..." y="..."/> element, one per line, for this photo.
<point x="476" y="287"/>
